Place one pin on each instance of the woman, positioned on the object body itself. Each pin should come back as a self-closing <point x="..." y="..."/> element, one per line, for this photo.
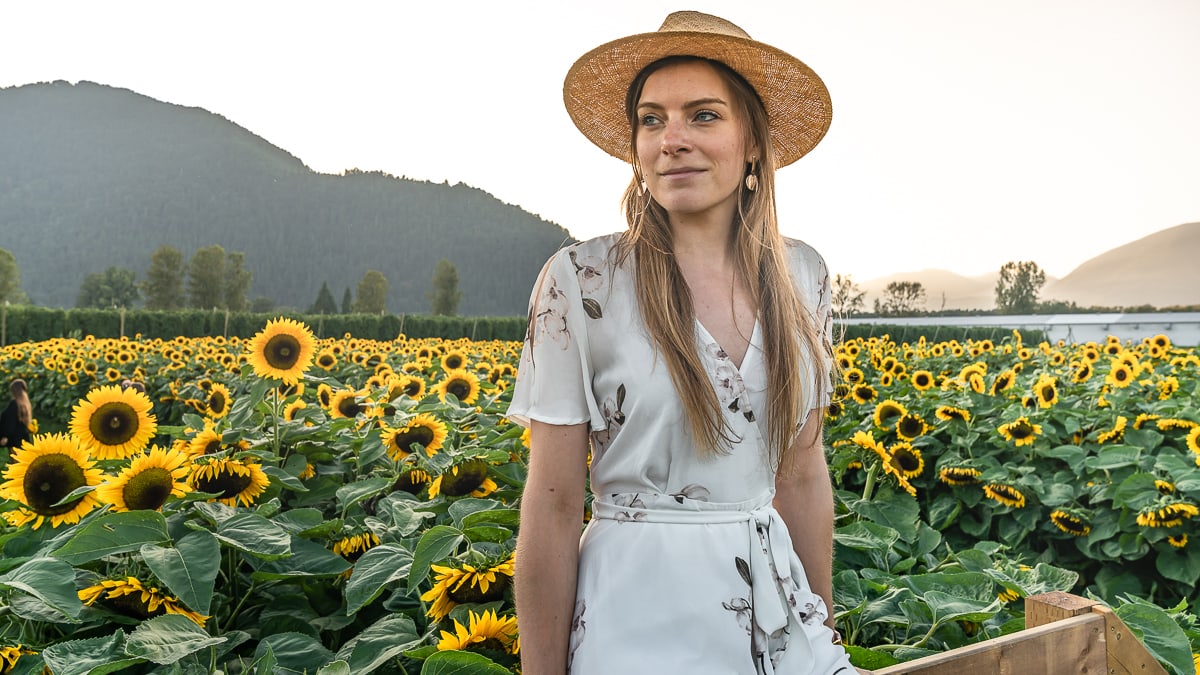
<point x="17" y="417"/>
<point x="692" y="351"/>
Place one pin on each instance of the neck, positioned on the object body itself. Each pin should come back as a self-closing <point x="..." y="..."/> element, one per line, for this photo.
<point x="706" y="241"/>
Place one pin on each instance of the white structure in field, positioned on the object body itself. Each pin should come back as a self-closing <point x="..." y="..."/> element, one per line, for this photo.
<point x="1183" y="328"/>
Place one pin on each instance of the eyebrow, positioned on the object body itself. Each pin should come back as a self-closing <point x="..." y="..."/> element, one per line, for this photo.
<point x="690" y="104"/>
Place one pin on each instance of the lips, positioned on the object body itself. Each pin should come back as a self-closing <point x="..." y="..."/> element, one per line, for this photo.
<point x="680" y="172"/>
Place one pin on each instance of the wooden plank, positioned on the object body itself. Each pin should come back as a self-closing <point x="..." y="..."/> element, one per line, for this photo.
<point x="1126" y="655"/>
<point x="1072" y="646"/>
<point x="1046" y="608"/>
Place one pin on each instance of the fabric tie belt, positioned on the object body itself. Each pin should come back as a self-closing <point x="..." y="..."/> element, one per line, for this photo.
<point x="770" y="545"/>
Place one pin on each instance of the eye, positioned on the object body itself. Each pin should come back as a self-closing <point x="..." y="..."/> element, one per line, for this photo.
<point x="649" y="120"/>
<point x="706" y="116"/>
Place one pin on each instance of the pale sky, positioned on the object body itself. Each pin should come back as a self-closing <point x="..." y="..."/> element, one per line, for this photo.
<point x="966" y="133"/>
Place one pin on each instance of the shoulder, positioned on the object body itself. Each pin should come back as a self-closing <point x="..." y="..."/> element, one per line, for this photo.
<point x="596" y="247"/>
<point x="807" y="265"/>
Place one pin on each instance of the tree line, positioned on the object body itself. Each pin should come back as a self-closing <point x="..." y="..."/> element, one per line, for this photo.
<point x="1017" y="291"/>
<point x="218" y="279"/>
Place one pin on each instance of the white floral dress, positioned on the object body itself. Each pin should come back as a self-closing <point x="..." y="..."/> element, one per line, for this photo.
<point x="685" y="566"/>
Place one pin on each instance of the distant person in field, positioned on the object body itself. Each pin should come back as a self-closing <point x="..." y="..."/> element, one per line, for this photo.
<point x="17" y="417"/>
<point x="687" y="359"/>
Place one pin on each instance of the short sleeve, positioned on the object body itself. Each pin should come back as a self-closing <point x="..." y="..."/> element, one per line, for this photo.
<point x="554" y="374"/>
<point x="811" y="277"/>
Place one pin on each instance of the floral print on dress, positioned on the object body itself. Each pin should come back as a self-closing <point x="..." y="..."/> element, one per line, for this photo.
<point x="590" y="271"/>
<point x="727" y="381"/>
<point x="634" y="503"/>
<point x="614" y="419"/>
<point x="550" y="321"/>
<point x="578" y="627"/>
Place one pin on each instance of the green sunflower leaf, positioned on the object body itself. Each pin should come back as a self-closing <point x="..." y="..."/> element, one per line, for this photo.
<point x="50" y="581"/>
<point x="189" y="570"/>
<point x="93" y="656"/>
<point x="308" y="559"/>
<point x="253" y="534"/>
<point x="1160" y="634"/>
<point x="461" y="663"/>
<point x="438" y="542"/>
<point x="166" y="639"/>
<point x="293" y="653"/>
<point x="113" y="533"/>
<point x="349" y="495"/>
<point x="379" y="643"/>
<point x="374" y="570"/>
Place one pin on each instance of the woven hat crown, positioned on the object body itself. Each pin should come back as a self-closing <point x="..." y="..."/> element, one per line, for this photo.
<point x="798" y="107"/>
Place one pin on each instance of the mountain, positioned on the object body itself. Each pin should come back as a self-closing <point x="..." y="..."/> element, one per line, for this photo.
<point x="93" y="176"/>
<point x="1158" y="270"/>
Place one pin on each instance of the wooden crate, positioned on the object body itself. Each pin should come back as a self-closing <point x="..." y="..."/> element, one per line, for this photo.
<point x="1064" y="635"/>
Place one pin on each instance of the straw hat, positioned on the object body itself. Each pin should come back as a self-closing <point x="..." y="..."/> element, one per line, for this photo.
<point x="797" y="102"/>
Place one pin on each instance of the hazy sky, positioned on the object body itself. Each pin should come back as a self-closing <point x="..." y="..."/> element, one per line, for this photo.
<point x="966" y="133"/>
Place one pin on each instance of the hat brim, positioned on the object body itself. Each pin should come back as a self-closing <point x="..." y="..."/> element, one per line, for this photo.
<point x="798" y="106"/>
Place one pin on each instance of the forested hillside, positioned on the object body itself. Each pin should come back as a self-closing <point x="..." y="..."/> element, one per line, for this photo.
<point x="93" y="176"/>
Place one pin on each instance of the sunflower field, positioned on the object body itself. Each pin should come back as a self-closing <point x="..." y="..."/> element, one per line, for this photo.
<point x="287" y="504"/>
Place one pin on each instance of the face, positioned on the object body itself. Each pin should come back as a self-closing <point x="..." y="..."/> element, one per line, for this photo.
<point x="691" y="142"/>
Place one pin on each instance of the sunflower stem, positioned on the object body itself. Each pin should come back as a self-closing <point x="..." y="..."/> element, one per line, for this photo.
<point x="869" y="488"/>
<point x="275" y="442"/>
<point x="238" y="608"/>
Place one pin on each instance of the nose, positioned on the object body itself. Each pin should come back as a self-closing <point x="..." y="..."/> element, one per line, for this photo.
<point x="675" y="137"/>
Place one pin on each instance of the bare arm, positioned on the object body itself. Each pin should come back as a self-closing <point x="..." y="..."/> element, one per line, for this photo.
<point x="804" y="497"/>
<point x="547" y="559"/>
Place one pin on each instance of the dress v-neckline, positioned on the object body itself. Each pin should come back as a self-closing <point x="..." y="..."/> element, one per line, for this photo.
<point x="752" y="348"/>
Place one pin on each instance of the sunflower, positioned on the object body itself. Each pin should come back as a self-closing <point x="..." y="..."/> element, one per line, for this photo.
<point x="344" y="403"/>
<point x="1119" y="374"/>
<point x="217" y="403"/>
<point x="853" y="376"/>
<point x="907" y="460"/>
<point x="114" y="423"/>
<point x="131" y="597"/>
<point x="1169" y="515"/>
<point x="1169" y="423"/>
<point x="863" y="393"/>
<point x="976" y="382"/>
<point x="454" y="360"/>
<point x="469" y="478"/>
<point x="1046" y="391"/>
<point x="326" y="360"/>
<point x="283" y="350"/>
<point x="461" y="383"/>
<point x="466" y="584"/>
<point x="411" y="481"/>
<point x="947" y="413"/>
<point x="910" y="426"/>
<point x="1116" y="434"/>
<point x="148" y="481"/>
<point x="207" y="442"/>
<point x="1070" y="523"/>
<point x="487" y="631"/>
<point x="351" y="547"/>
<point x="1005" y="494"/>
<point x="1142" y="418"/>
<point x="1008" y="595"/>
<point x="1020" y="432"/>
<point x="886" y="411"/>
<point x="1082" y="372"/>
<point x="232" y="480"/>
<point x="1003" y="382"/>
<point x="1164" y="487"/>
<point x="959" y="475"/>
<point x="44" y="471"/>
<point x="292" y="410"/>
<point x="10" y="655"/>
<point x="1179" y="541"/>
<point x="424" y="430"/>
<point x="1193" y="440"/>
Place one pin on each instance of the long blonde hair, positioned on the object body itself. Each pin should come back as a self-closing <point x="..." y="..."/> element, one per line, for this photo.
<point x="24" y="408"/>
<point x="665" y="300"/>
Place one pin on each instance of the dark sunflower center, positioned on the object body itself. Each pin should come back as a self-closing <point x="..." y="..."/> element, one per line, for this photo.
<point x="324" y="399"/>
<point x="212" y="446"/>
<point x="459" y="387"/>
<point x="148" y="490"/>
<point x="114" y="423"/>
<point x="325" y="361"/>
<point x="470" y="476"/>
<point x="282" y="352"/>
<point x="1022" y="430"/>
<point x="412" y="388"/>
<point x="133" y="605"/>
<point x="921" y="380"/>
<point x="907" y="461"/>
<point x="216" y="402"/>
<point x="1047" y="393"/>
<point x="48" y="479"/>
<point x="226" y="484"/>
<point x="453" y="362"/>
<point x="418" y="434"/>
<point x="349" y="407"/>
<point x="910" y="426"/>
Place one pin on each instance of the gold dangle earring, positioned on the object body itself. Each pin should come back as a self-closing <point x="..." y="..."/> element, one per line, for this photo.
<point x="751" y="179"/>
<point x="639" y="181"/>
